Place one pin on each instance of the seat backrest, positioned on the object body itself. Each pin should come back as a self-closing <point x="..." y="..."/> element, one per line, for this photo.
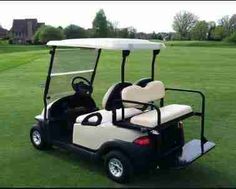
<point x="114" y="93"/>
<point x="154" y="90"/>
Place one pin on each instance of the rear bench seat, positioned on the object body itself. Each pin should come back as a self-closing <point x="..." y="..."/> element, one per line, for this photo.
<point x="168" y="113"/>
<point x="152" y="91"/>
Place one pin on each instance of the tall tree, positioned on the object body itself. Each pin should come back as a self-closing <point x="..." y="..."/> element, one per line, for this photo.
<point x="229" y="24"/>
<point x="100" y="24"/>
<point x="73" y="31"/>
<point x="232" y="22"/>
<point x="115" y="29"/>
<point x="225" y="23"/>
<point x="200" y="31"/>
<point x="218" y="33"/>
<point x="211" y="27"/>
<point x="231" y="38"/>
<point x="111" y="30"/>
<point x="128" y="32"/>
<point x="124" y="33"/>
<point x="183" y="22"/>
<point x="36" y="35"/>
<point x="132" y="32"/>
<point x="47" y="33"/>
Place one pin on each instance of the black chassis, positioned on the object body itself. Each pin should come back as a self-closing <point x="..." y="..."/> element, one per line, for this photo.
<point x="140" y="156"/>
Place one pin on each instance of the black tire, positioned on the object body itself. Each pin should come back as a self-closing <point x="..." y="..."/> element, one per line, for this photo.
<point x="120" y="158"/>
<point x="37" y="138"/>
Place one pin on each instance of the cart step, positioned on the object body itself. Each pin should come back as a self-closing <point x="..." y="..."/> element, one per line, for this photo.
<point x="192" y="151"/>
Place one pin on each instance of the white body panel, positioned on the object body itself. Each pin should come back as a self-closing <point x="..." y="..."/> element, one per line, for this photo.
<point x="93" y="137"/>
<point x="41" y="116"/>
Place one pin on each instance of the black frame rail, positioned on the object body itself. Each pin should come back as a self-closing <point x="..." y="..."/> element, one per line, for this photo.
<point x="159" y="125"/>
<point x="200" y="114"/>
<point x="52" y="52"/>
<point x="48" y="79"/>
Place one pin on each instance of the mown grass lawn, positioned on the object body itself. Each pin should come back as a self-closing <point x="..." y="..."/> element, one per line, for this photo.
<point x="210" y="69"/>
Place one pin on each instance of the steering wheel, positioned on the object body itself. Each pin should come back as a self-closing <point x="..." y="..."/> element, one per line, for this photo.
<point x="82" y="87"/>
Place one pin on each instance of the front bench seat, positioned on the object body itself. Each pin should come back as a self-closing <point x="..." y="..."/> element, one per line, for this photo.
<point x="107" y="115"/>
<point x="153" y="91"/>
<point x="109" y="103"/>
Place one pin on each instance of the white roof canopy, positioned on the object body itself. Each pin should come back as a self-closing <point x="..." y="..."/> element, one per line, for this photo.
<point x="108" y="43"/>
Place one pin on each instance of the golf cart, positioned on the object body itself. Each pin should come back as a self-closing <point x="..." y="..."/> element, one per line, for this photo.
<point x="134" y="131"/>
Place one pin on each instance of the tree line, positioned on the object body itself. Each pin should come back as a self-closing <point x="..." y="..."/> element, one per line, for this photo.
<point x="186" y="25"/>
<point x="101" y="27"/>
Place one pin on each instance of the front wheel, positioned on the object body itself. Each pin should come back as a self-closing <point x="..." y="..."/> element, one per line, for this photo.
<point x="118" y="167"/>
<point x="38" y="139"/>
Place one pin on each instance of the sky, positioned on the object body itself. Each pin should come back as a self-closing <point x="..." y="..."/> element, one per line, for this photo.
<point x="145" y="16"/>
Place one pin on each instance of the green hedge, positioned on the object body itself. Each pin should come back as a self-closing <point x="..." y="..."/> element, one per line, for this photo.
<point x="3" y="42"/>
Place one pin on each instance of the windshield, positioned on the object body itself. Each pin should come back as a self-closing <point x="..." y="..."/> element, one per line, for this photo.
<point x="69" y="63"/>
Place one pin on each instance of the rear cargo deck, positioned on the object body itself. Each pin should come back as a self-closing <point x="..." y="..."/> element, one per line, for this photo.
<point x="191" y="151"/>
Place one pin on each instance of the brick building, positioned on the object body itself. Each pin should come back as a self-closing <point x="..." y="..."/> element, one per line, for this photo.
<point x="23" y="30"/>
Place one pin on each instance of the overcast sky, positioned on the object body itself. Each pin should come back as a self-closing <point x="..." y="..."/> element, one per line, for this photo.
<point x="144" y="16"/>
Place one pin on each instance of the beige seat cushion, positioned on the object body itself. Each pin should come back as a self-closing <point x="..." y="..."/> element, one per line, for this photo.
<point x="107" y="115"/>
<point x="168" y="113"/>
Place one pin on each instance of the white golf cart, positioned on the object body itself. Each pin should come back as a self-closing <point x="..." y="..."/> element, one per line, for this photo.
<point x="131" y="133"/>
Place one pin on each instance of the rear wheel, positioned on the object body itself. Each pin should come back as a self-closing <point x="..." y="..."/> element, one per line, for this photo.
<point x="118" y="167"/>
<point x="38" y="139"/>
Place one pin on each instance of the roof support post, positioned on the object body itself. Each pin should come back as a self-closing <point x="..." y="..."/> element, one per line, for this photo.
<point x="125" y="54"/>
<point x="155" y="53"/>
<point x="52" y="52"/>
<point x="95" y="67"/>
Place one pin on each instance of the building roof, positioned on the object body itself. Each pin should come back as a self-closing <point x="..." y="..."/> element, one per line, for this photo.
<point x="20" y="25"/>
<point x="108" y="43"/>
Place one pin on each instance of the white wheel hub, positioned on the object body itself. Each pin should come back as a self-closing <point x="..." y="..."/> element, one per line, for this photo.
<point x="115" y="167"/>
<point x="36" y="137"/>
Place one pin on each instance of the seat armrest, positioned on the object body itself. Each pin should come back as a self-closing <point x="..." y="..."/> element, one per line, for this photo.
<point x="91" y="123"/>
<point x="192" y="91"/>
<point x="185" y="90"/>
<point x="139" y="103"/>
<point x="201" y="114"/>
